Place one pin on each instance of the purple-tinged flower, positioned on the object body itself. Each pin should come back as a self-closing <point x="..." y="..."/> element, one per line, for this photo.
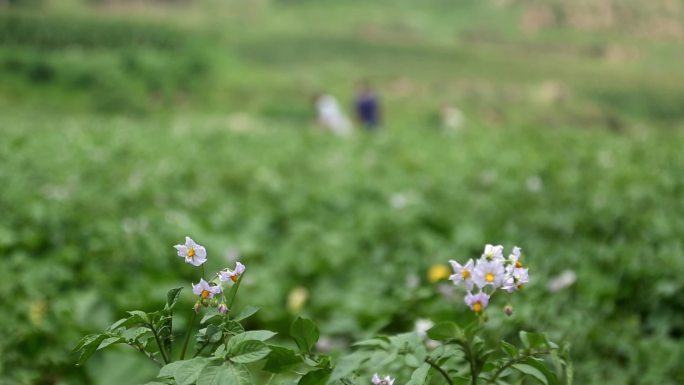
<point x="222" y="308"/>
<point x="193" y="253"/>
<point x="489" y="273"/>
<point x="493" y="253"/>
<point x="514" y="258"/>
<point x="204" y="290"/>
<point x="515" y="278"/>
<point x="463" y="273"/>
<point x="376" y="380"/>
<point x="477" y="302"/>
<point x="227" y="274"/>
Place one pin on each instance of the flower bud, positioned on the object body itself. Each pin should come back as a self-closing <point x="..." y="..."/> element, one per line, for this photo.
<point x="197" y="307"/>
<point x="222" y="308"/>
<point x="508" y="310"/>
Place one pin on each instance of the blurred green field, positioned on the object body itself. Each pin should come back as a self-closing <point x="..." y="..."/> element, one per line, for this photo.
<point x="128" y="125"/>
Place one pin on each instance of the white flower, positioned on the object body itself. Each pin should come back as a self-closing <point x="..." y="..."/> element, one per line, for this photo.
<point x="193" y="253"/>
<point x="565" y="279"/>
<point x="477" y="302"/>
<point x="422" y="326"/>
<point x="489" y="273"/>
<point x="516" y="277"/>
<point x="382" y="381"/>
<point x="204" y="290"/>
<point x="462" y="273"/>
<point x="493" y="253"/>
<point x="227" y="274"/>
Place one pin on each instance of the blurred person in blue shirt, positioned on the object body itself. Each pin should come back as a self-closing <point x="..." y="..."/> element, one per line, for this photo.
<point x="367" y="106"/>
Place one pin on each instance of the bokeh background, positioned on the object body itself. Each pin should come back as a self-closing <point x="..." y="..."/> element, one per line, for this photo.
<point x="126" y="125"/>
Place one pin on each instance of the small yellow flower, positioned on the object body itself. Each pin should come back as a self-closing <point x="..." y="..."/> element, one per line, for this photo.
<point x="37" y="312"/>
<point x="438" y="272"/>
<point x="296" y="299"/>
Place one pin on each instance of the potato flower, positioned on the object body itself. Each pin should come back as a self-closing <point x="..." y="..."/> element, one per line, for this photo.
<point x="477" y="302"/>
<point x="516" y="277"/>
<point x="493" y="253"/>
<point x="193" y="253"/>
<point x="204" y="290"/>
<point x="489" y="273"/>
<point x="376" y="380"/>
<point x="227" y="274"/>
<point x="463" y="273"/>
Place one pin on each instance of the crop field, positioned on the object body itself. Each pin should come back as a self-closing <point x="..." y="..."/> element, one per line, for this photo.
<point x="127" y="125"/>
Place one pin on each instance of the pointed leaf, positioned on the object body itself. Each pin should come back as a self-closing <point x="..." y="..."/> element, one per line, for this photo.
<point x="280" y="359"/>
<point x="246" y="313"/>
<point x="172" y="297"/>
<point x="249" y="351"/>
<point x="226" y="374"/>
<point x="445" y="331"/>
<point x="187" y="372"/>
<point x="305" y="334"/>
<point x="317" y="377"/>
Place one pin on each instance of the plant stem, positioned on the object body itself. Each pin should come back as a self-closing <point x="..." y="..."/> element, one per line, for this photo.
<point x="187" y="334"/>
<point x="440" y="370"/>
<point x="200" y="349"/>
<point x="147" y="354"/>
<point x="234" y="293"/>
<point x="159" y="344"/>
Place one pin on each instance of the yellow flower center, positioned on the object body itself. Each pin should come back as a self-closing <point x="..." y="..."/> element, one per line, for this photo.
<point x="477" y="307"/>
<point x="518" y="264"/>
<point x="234" y="278"/>
<point x="205" y="294"/>
<point x="465" y="274"/>
<point x="489" y="277"/>
<point x="191" y="253"/>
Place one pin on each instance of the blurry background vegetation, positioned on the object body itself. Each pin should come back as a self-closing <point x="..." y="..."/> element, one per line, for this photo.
<point x="126" y="125"/>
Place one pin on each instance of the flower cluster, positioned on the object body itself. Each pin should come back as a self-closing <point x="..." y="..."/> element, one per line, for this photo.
<point x="376" y="380"/>
<point x="492" y="271"/>
<point x="196" y="255"/>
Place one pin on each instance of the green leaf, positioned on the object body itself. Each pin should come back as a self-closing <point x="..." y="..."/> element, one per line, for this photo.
<point x="210" y="315"/>
<point x="378" y="342"/>
<point x="187" y="372"/>
<point x="233" y="327"/>
<point x="509" y="349"/>
<point x="141" y="315"/>
<point x="168" y="370"/>
<point x="305" y="334"/>
<point x="533" y="340"/>
<point x="532" y="372"/>
<point x="88" y="345"/>
<point x="226" y="374"/>
<point x="316" y="377"/>
<point x="257" y="335"/>
<point x="110" y="341"/>
<point x="246" y="313"/>
<point x="249" y="351"/>
<point x="445" y="331"/>
<point x="349" y="364"/>
<point x="172" y="297"/>
<point x="419" y="376"/>
<point x="280" y="359"/>
<point x="539" y="364"/>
